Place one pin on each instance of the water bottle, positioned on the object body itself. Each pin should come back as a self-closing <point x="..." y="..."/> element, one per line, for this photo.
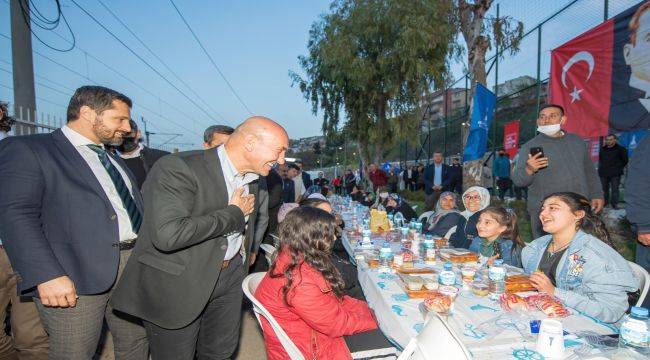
<point x="635" y="331"/>
<point x="447" y="275"/>
<point x="385" y="256"/>
<point x="497" y="276"/>
<point x="398" y="219"/>
<point x="365" y="239"/>
<point x="391" y="219"/>
<point x="429" y="250"/>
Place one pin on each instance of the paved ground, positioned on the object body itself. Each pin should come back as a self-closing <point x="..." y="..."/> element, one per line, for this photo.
<point x="251" y="342"/>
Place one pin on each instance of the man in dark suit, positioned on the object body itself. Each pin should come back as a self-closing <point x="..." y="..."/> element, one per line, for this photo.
<point x="138" y="158"/>
<point x="288" y="185"/>
<point x="436" y="180"/>
<point x="185" y="277"/>
<point x="69" y="221"/>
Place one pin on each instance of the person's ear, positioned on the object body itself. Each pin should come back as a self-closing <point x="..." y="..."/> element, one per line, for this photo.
<point x="249" y="142"/>
<point x="627" y="49"/>
<point x="579" y="214"/>
<point x="87" y="114"/>
<point x="562" y="120"/>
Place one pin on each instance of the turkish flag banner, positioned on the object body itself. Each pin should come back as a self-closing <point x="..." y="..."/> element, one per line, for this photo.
<point x="511" y="138"/>
<point x="602" y="77"/>
<point x="581" y="80"/>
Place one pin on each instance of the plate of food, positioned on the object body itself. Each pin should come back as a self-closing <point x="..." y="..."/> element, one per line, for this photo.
<point x="519" y="283"/>
<point x="438" y="302"/>
<point x="458" y="255"/>
<point x="417" y="287"/>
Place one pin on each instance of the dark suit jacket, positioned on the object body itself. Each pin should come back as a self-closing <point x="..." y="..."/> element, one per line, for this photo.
<point x="429" y="177"/>
<point x="177" y="259"/>
<point x="626" y="112"/>
<point x="55" y="218"/>
<point x="150" y="156"/>
<point x="274" y="186"/>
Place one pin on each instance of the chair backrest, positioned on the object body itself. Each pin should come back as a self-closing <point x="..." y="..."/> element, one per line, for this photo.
<point x="269" y="251"/>
<point x="425" y="215"/>
<point x="435" y="335"/>
<point x="644" y="281"/>
<point x="249" y="286"/>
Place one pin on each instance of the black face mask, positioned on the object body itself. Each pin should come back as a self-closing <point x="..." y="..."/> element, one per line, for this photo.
<point x="502" y="155"/>
<point x="128" y="144"/>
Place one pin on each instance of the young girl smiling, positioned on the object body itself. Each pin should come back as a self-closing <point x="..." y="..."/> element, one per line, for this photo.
<point x="576" y="262"/>
<point x="498" y="237"/>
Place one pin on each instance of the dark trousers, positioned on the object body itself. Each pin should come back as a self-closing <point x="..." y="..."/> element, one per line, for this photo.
<point x="521" y="193"/>
<point x="504" y="185"/>
<point x="28" y="340"/>
<point x="610" y="183"/>
<point x="215" y="333"/>
<point x="430" y="200"/>
<point x="74" y="332"/>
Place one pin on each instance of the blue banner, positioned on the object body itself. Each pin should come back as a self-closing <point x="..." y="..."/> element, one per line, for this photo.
<point x="484" y="102"/>
<point x="631" y="139"/>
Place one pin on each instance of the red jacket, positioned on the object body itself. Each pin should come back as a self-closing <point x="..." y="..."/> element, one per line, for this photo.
<point x="378" y="178"/>
<point x="317" y="320"/>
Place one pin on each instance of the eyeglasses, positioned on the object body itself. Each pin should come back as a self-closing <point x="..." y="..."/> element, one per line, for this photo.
<point x="472" y="197"/>
<point x="549" y="117"/>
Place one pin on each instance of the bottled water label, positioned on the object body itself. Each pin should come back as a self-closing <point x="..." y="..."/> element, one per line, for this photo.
<point x="635" y="332"/>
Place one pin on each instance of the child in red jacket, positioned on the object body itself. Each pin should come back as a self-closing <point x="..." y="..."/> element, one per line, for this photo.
<point x="304" y="291"/>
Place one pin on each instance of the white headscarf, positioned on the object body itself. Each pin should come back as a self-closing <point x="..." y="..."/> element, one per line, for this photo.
<point x="485" y="200"/>
<point x="317" y="196"/>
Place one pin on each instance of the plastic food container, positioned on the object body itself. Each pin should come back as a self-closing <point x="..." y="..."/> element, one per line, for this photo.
<point x="480" y="288"/>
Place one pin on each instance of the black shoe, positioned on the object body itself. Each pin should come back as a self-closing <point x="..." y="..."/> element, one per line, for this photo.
<point x="614" y="207"/>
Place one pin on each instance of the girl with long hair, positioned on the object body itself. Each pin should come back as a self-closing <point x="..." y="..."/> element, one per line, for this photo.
<point x="498" y="236"/>
<point x="304" y="291"/>
<point x="576" y="261"/>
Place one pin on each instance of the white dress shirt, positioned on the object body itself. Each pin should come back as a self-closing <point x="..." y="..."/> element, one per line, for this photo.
<point x="134" y="154"/>
<point x="642" y="85"/>
<point x="233" y="181"/>
<point x="80" y="143"/>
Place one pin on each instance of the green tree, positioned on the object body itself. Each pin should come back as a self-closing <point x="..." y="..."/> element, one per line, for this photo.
<point x="373" y="61"/>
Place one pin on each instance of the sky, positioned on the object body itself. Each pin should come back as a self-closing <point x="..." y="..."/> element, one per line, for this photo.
<point x="254" y="44"/>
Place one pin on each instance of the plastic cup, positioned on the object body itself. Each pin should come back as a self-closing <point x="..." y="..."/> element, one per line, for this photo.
<point x="550" y="341"/>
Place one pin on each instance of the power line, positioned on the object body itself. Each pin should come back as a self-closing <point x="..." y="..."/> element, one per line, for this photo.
<point x="125" y="77"/>
<point x="39" y="98"/>
<point x="44" y="23"/>
<point x="209" y="57"/>
<point x="159" y="59"/>
<point x="140" y="57"/>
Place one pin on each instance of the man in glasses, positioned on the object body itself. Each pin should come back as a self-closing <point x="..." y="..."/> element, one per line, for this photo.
<point x="555" y="161"/>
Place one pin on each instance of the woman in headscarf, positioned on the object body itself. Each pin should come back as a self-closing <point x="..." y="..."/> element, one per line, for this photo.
<point x="475" y="199"/>
<point x="446" y="217"/>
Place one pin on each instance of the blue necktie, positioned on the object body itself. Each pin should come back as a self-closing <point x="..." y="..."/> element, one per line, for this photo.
<point x="120" y="186"/>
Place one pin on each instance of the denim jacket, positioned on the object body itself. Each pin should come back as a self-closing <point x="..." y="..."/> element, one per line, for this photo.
<point x="508" y="256"/>
<point x="591" y="277"/>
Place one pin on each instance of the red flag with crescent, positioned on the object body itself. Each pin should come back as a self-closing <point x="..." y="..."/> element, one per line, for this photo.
<point x="602" y="77"/>
<point x="581" y="80"/>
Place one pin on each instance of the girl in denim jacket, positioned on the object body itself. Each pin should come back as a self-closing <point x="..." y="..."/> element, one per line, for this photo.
<point x="576" y="262"/>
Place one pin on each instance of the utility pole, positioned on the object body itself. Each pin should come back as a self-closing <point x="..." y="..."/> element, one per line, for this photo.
<point x="146" y="133"/>
<point x="23" y="66"/>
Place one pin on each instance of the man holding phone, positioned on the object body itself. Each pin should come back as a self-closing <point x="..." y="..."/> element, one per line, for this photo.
<point x="555" y="161"/>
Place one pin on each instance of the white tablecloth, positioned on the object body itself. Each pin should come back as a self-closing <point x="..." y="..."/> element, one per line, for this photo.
<point x="487" y="330"/>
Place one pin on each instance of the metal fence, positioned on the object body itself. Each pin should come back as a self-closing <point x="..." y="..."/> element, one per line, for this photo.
<point x="522" y="81"/>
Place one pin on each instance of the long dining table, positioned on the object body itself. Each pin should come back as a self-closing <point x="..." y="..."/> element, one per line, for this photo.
<point x="488" y="331"/>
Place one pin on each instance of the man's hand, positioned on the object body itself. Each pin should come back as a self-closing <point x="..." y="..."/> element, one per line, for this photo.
<point x="597" y="205"/>
<point x="59" y="292"/>
<point x="245" y="203"/>
<point x="252" y="257"/>
<point x="644" y="239"/>
<point x="534" y="163"/>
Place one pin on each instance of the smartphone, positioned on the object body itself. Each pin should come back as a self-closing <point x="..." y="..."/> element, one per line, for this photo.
<point x="536" y="150"/>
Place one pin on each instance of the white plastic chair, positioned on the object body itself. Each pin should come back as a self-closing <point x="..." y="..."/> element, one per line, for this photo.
<point x="644" y="281"/>
<point x="250" y="285"/>
<point x="437" y="340"/>
<point x="269" y="251"/>
<point x="425" y="215"/>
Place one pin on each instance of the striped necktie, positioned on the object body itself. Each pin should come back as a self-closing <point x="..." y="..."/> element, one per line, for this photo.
<point x="120" y="186"/>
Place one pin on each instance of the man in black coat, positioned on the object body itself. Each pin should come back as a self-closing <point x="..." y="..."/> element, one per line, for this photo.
<point x="138" y="158"/>
<point x="612" y="161"/>
<point x="184" y="279"/>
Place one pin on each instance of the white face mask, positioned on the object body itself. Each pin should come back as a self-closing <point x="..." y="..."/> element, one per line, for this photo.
<point x="549" y="130"/>
<point x="383" y="195"/>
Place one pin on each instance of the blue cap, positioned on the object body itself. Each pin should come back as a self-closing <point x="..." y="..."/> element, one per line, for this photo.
<point x="448" y="265"/>
<point x="639" y="311"/>
<point x="498" y="262"/>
